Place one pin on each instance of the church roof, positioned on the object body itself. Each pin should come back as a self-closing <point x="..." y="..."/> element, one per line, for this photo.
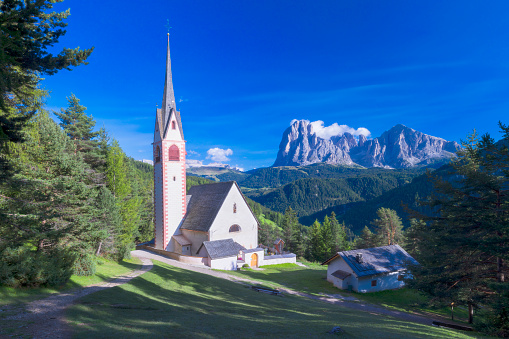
<point x="168" y="107"/>
<point x="222" y="248"/>
<point x="206" y="201"/>
<point x="371" y="261"/>
<point x="182" y="240"/>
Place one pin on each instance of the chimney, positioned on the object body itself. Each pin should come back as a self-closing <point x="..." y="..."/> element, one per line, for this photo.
<point x="359" y="258"/>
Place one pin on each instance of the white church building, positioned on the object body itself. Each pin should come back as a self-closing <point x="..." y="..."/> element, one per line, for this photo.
<point x="212" y="224"/>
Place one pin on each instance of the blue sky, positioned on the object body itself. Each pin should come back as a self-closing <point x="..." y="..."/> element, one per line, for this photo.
<point x="243" y="70"/>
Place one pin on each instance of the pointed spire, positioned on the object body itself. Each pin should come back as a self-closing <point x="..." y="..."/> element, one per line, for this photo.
<point x="168" y="96"/>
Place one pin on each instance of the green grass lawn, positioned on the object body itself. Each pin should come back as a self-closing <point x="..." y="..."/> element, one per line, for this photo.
<point x="172" y="302"/>
<point x="106" y="270"/>
<point x="313" y="280"/>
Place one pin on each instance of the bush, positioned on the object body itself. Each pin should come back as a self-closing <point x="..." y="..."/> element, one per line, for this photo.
<point x="22" y="267"/>
<point x="85" y="264"/>
<point x="124" y="252"/>
<point x="245" y="266"/>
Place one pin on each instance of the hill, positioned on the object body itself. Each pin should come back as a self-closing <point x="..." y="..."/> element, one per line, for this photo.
<point x="333" y="186"/>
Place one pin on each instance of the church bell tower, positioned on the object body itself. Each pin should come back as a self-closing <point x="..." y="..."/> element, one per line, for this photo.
<point x="169" y="166"/>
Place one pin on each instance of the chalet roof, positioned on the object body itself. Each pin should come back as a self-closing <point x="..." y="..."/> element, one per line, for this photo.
<point x="375" y="260"/>
<point x="182" y="240"/>
<point x="341" y="274"/>
<point x="222" y="248"/>
<point x="278" y="240"/>
<point x="204" y="204"/>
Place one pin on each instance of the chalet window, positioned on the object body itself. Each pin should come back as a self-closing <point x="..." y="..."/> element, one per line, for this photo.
<point x="174" y="178"/>
<point x="234" y="228"/>
<point x="234" y="208"/>
<point x="400" y="277"/>
<point x="158" y="154"/>
<point x="173" y="125"/>
<point x="373" y="282"/>
<point x="173" y="153"/>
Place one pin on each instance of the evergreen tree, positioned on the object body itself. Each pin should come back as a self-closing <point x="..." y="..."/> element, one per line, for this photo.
<point x="389" y="227"/>
<point x="366" y="239"/>
<point x="119" y="174"/>
<point x="316" y="242"/>
<point x="78" y="125"/>
<point x="27" y="31"/>
<point x="49" y="203"/>
<point x="464" y="249"/>
<point x="338" y="230"/>
<point x="328" y="239"/>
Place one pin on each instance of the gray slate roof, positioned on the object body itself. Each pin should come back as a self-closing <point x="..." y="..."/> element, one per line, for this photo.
<point x="205" y="202"/>
<point x="376" y="260"/>
<point x="222" y="248"/>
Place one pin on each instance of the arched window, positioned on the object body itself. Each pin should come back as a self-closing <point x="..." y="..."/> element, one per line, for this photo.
<point x="173" y="153"/>
<point x="234" y="208"/>
<point x="173" y="125"/>
<point x="234" y="228"/>
<point x="158" y="154"/>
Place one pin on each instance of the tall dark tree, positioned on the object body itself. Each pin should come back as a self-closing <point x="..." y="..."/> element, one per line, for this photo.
<point x="28" y="29"/>
<point x="465" y="247"/>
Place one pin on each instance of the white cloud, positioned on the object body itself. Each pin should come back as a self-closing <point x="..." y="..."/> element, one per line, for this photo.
<point x="218" y="154"/>
<point x="193" y="163"/>
<point x="193" y="153"/>
<point x="326" y="132"/>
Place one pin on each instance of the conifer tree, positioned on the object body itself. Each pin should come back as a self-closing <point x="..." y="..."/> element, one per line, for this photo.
<point x="389" y="228"/>
<point x="328" y="238"/>
<point x="338" y="230"/>
<point x="366" y="239"/>
<point x="464" y="248"/>
<point x="78" y="125"/>
<point x="316" y="242"/>
<point x="119" y="172"/>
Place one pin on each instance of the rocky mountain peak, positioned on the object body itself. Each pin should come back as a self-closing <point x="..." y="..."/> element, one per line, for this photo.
<point x="398" y="147"/>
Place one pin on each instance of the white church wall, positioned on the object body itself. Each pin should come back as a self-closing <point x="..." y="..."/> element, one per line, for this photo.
<point x="228" y="263"/>
<point x="220" y="229"/>
<point x="196" y="238"/>
<point x="277" y="259"/>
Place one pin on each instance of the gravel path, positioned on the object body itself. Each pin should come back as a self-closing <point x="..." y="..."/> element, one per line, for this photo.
<point x="344" y="302"/>
<point x="45" y="318"/>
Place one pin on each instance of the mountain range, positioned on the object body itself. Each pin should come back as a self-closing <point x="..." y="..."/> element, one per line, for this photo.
<point x="399" y="147"/>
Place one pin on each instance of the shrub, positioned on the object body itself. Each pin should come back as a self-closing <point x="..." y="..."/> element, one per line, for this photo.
<point x="22" y="267"/>
<point x="85" y="264"/>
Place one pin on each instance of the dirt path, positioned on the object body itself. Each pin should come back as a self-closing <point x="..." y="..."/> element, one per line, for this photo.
<point x="357" y="305"/>
<point x="45" y="318"/>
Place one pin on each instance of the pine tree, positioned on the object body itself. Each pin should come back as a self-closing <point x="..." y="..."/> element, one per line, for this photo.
<point x="366" y="239"/>
<point x="328" y="239"/>
<point x="27" y="31"/>
<point x="464" y="248"/>
<point x="389" y="227"/>
<point x="78" y="125"/>
<point x="316" y="242"/>
<point x="340" y="242"/>
<point x="119" y="172"/>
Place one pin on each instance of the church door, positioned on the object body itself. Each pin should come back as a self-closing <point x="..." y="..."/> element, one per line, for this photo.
<point x="254" y="260"/>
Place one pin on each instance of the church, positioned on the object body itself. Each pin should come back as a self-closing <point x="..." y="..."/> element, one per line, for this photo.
<point x="211" y="224"/>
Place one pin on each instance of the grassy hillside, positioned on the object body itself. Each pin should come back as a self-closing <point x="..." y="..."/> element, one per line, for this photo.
<point x="171" y="302"/>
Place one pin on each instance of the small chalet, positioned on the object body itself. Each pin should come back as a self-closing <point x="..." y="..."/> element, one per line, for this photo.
<point x="279" y="244"/>
<point x="369" y="270"/>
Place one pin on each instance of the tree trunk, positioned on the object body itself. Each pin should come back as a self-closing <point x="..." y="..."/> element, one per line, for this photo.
<point x="99" y="248"/>
<point x="470" y="313"/>
<point x="500" y="270"/>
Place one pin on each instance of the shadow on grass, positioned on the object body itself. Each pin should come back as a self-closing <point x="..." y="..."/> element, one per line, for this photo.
<point x="170" y="302"/>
